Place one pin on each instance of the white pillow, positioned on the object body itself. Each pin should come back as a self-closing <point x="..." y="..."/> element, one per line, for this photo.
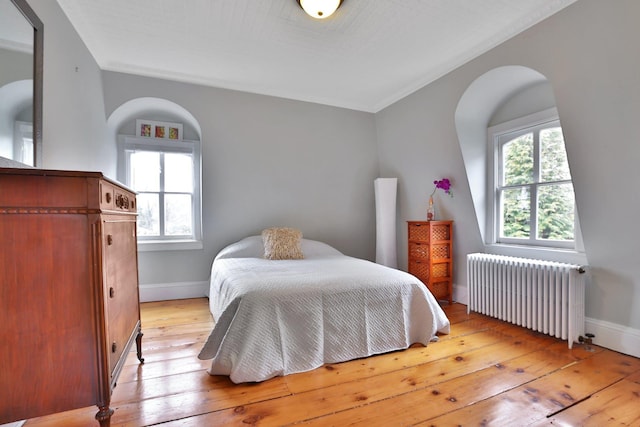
<point x="252" y="247"/>
<point x="249" y="247"/>
<point x="315" y="249"/>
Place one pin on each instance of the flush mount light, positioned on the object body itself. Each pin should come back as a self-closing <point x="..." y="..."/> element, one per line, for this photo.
<point x="320" y="9"/>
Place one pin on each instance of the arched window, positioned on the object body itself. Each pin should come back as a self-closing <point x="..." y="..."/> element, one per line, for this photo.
<point x="532" y="200"/>
<point x="161" y="160"/>
<point x="512" y="145"/>
<point x="166" y="175"/>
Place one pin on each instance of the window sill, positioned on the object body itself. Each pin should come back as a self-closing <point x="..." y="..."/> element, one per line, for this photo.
<point x="169" y="245"/>
<point x="569" y="256"/>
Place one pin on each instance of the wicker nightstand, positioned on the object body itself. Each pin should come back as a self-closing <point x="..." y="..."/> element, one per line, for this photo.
<point x="431" y="256"/>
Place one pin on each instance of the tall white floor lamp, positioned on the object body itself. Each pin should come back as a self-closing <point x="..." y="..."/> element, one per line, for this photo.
<point x="385" y="191"/>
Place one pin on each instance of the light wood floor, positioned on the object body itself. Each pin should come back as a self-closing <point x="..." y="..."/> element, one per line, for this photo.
<point x="485" y="373"/>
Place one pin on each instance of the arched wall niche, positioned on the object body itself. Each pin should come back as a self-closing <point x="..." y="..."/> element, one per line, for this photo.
<point x="122" y="120"/>
<point x="488" y="96"/>
<point x="17" y="105"/>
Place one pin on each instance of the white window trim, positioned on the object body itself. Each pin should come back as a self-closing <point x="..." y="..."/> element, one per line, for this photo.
<point x="23" y="142"/>
<point x="536" y="119"/>
<point x="126" y="142"/>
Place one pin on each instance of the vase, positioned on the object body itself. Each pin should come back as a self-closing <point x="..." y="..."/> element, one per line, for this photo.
<point x="431" y="210"/>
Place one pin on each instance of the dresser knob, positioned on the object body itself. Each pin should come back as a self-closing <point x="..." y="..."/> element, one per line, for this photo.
<point x="112" y="292"/>
<point x="109" y="239"/>
<point x="108" y="197"/>
<point x="114" y="347"/>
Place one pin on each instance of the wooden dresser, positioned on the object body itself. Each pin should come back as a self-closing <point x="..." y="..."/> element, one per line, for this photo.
<point x="431" y="256"/>
<point x="69" y="302"/>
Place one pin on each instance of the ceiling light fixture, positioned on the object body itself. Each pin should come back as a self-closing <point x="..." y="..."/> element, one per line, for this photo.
<point x="320" y="9"/>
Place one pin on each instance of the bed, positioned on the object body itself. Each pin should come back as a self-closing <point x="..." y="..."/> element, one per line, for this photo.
<point x="279" y="317"/>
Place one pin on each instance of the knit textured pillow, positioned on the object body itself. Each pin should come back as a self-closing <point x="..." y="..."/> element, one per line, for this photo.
<point x="282" y="243"/>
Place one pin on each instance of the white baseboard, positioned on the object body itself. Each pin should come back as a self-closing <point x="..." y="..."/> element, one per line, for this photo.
<point x="461" y="294"/>
<point x="169" y="291"/>
<point x="614" y="336"/>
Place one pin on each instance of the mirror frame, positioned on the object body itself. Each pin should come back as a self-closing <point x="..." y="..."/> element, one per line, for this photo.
<point x="38" y="39"/>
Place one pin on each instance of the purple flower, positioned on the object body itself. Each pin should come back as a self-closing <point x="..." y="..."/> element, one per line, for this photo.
<point x="443" y="184"/>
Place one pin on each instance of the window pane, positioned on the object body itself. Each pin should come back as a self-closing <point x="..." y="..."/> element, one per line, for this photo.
<point x="178" y="220"/>
<point x="515" y="210"/>
<point x="556" y="212"/>
<point x="517" y="160"/>
<point x="145" y="171"/>
<point x="553" y="156"/>
<point x="178" y="170"/>
<point x="148" y="214"/>
<point x="27" y="151"/>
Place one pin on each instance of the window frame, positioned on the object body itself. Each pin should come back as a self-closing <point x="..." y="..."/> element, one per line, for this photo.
<point x="23" y="144"/>
<point x="128" y="143"/>
<point x="498" y="136"/>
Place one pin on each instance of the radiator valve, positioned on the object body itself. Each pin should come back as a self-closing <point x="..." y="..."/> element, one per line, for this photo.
<point x="587" y="339"/>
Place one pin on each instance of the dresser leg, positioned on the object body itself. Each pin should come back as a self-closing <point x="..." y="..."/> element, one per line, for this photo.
<point x="139" y="346"/>
<point x="104" y="416"/>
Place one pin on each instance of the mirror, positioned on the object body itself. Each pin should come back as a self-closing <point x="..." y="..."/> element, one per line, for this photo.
<point x="21" y="35"/>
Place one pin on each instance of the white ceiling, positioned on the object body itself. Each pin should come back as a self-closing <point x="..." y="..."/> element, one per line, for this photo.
<point x="368" y="55"/>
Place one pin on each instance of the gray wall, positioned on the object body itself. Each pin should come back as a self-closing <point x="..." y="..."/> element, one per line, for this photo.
<point x="266" y="162"/>
<point x="74" y="126"/>
<point x="585" y="52"/>
<point x="15" y="66"/>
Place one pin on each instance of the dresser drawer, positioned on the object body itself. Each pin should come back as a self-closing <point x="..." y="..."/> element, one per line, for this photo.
<point x="113" y="198"/>
<point x="440" y="289"/>
<point x="425" y="251"/>
<point x="121" y="285"/>
<point x="419" y="231"/>
<point x="124" y="201"/>
<point x="106" y="195"/>
<point x="430" y="231"/>
<point x="420" y="269"/>
<point x="419" y="251"/>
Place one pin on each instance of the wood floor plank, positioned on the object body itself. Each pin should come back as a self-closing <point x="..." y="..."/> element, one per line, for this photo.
<point x="376" y="387"/>
<point x="457" y="312"/>
<point x="548" y="394"/>
<point x="173" y="341"/>
<point x="191" y="348"/>
<point x="180" y="329"/>
<point x="161" y="368"/>
<point x="449" y="395"/>
<point x="485" y="372"/>
<point x="152" y="402"/>
<point x="634" y="377"/>
<point x="192" y="404"/>
<point x="352" y="370"/>
<point x="188" y="318"/>
<point x="615" y="405"/>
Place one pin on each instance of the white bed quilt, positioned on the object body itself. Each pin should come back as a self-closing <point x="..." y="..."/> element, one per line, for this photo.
<point x="281" y="317"/>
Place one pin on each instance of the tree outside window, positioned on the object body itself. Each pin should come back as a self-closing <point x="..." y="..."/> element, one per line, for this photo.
<point x="534" y="192"/>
